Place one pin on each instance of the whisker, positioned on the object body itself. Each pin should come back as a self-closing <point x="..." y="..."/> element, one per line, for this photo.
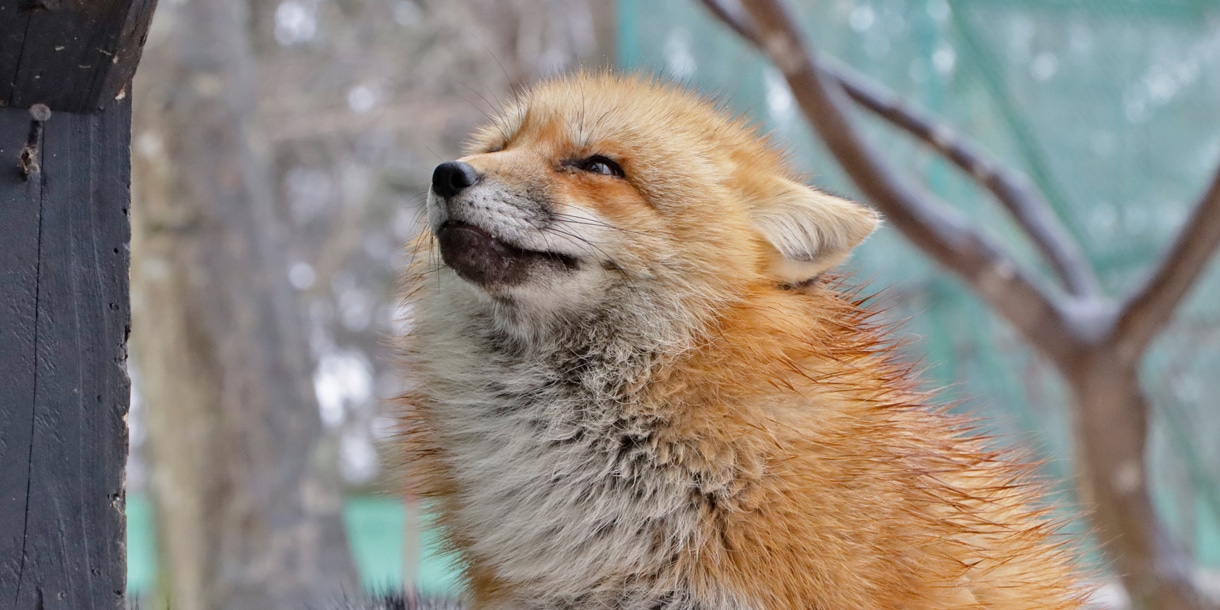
<point x="577" y="239"/>
<point x="488" y="107"/>
<point x="582" y="220"/>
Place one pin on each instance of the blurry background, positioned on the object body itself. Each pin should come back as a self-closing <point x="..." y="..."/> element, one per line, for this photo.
<point x="322" y="120"/>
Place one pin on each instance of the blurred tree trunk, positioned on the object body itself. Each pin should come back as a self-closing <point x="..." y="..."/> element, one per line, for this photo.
<point x="244" y="483"/>
<point x="1110" y="414"/>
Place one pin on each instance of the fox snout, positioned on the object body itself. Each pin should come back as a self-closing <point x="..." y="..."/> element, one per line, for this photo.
<point x="484" y="231"/>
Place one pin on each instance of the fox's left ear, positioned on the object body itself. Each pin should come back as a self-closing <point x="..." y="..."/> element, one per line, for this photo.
<point x="810" y="230"/>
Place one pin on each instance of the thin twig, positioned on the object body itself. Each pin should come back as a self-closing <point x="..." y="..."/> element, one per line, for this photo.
<point x="732" y="15"/>
<point x="1011" y="188"/>
<point x="1149" y="308"/>
<point x="940" y="231"/>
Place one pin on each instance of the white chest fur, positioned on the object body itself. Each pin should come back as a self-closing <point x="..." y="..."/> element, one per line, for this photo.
<point x="560" y="488"/>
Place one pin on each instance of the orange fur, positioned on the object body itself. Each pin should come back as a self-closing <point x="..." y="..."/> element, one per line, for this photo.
<point x="816" y="474"/>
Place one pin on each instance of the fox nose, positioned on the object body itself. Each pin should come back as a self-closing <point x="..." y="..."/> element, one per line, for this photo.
<point x="448" y="179"/>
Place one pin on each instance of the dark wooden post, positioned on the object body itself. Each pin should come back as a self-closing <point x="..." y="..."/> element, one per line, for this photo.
<point x="64" y="311"/>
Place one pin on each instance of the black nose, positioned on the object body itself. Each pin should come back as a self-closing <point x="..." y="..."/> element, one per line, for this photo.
<point x="448" y="179"/>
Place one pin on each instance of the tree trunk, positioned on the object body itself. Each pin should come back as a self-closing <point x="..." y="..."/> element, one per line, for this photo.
<point x="247" y="498"/>
<point x="1111" y="430"/>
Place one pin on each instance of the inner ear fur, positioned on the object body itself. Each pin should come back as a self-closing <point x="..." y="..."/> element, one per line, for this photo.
<point x="810" y="231"/>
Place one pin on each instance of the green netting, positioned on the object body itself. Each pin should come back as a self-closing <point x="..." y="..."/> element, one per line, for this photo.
<point x="376" y="532"/>
<point x="1111" y="106"/>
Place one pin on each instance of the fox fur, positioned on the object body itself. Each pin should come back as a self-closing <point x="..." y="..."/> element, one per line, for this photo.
<point x="634" y="385"/>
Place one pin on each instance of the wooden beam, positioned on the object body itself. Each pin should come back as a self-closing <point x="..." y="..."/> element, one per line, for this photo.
<point x="72" y="55"/>
<point x="64" y="319"/>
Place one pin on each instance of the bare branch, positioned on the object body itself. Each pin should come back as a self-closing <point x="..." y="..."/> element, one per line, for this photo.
<point x="1149" y="308"/>
<point x="1011" y="188"/>
<point x="939" y="230"/>
<point x="732" y="15"/>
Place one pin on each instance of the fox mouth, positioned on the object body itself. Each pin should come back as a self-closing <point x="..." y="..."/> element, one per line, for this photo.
<point x="481" y="259"/>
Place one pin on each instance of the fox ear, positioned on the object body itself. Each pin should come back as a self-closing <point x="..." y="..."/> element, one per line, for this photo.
<point x="811" y="231"/>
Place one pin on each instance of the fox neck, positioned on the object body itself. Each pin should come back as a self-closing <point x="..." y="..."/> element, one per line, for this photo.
<point x="626" y="323"/>
<point x="551" y="447"/>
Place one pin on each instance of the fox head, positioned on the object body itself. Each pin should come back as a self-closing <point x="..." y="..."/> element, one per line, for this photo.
<point x="596" y="191"/>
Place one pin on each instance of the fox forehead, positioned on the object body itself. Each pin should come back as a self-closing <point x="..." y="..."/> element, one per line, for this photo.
<point x="636" y="117"/>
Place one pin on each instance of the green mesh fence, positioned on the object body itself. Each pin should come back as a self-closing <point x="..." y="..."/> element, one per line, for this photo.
<point x="1111" y="106"/>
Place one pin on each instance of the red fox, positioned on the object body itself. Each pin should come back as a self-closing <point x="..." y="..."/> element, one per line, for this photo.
<point x="636" y="386"/>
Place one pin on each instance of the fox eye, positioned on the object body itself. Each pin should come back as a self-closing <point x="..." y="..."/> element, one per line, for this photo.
<point x="598" y="164"/>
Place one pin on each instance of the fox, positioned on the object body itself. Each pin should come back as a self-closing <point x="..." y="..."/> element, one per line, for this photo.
<point x="637" y="382"/>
